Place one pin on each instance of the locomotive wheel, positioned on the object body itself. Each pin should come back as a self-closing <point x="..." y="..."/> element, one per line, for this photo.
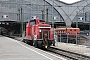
<point x="26" y="41"/>
<point x="31" y="43"/>
<point x="39" y="44"/>
<point x="23" y="40"/>
<point x="35" y="44"/>
<point x="53" y="42"/>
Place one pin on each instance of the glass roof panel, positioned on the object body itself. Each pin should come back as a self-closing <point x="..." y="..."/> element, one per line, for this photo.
<point x="69" y="1"/>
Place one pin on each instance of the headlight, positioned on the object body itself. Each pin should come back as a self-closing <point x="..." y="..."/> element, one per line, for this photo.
<point x="39" y="30"/>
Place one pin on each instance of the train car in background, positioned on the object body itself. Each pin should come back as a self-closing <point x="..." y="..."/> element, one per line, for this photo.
<point x="3" y="31"/>
<point x="71" y="33"/>
<point x="12" y="27"/>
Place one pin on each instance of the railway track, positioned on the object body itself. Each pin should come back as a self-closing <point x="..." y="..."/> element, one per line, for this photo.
<point x="68" y="54"/>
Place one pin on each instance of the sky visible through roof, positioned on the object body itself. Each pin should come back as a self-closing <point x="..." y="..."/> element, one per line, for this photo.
<point x="69" y="1"/>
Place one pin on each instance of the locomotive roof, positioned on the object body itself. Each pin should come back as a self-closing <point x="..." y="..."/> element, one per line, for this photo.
<point x="35" y="20"/>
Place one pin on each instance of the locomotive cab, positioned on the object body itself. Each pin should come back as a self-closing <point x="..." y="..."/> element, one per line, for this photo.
<point x="39" y="34"/>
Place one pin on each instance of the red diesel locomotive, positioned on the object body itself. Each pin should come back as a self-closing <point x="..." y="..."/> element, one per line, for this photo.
<point x="39" y="34"/>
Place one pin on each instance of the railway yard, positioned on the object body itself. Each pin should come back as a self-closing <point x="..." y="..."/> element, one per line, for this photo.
<point x="44" y="30"/>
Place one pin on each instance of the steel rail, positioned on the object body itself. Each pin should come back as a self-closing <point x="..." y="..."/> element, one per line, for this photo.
<point x="68" y="54"/>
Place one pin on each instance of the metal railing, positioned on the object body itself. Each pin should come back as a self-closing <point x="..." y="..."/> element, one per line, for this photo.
<point x="68" y="37"/>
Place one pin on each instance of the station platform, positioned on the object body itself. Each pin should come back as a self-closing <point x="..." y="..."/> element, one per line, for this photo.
<point x="81" y="49"/>
<point x="11" y="49"/>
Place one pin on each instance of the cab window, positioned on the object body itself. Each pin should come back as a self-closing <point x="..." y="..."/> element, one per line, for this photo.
<point x="32" y="23"/>
<point x="42" y="22"/>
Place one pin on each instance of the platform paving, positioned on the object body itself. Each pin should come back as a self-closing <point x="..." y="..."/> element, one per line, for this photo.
<point x="11" y="49"/>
